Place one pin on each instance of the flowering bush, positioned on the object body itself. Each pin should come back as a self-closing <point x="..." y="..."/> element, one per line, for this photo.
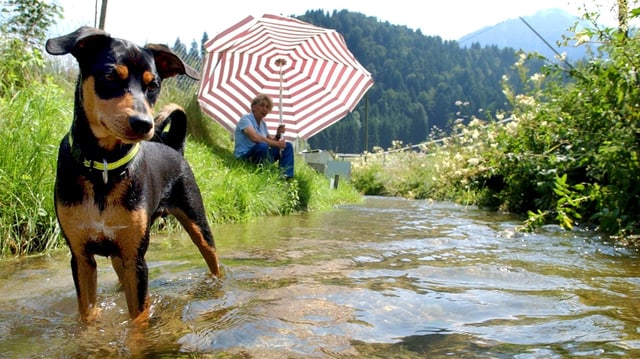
<point x="568" y="153"/>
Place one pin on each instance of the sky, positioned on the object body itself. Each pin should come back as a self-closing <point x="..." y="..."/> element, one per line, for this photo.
<point x="162" y="21"/>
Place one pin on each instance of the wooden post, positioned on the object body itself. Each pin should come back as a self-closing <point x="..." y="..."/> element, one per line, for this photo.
<point x="336" y="179"/>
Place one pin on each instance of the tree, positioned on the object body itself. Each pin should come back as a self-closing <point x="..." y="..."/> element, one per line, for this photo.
<point x="193" y="57"/>
<point x="418" y="79"/>
<point x="22" y="34"/>
<point x="203" y="41"/>
<point x="28" y="21"/>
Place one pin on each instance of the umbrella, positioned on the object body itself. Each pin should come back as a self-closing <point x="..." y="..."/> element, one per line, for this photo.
<point x="308" y="71"/>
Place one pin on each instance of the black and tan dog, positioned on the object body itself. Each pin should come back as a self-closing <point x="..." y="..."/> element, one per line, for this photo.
<point x="114" y="178"/>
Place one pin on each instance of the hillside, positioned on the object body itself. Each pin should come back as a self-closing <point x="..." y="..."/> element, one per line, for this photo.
<point x="418" y="81"/>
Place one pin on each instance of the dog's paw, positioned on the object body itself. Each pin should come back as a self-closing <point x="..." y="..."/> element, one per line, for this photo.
<point x="93" y="315"/>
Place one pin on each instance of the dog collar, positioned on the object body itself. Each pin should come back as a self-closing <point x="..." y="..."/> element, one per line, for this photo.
<point x="103" y="166"/>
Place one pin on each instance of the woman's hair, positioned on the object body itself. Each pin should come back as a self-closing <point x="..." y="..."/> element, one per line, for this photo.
<point x="260" y="98"/>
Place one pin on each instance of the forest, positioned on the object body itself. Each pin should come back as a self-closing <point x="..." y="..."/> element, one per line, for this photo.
<point x="419" y="80"/>
<point x="422" y="83"/>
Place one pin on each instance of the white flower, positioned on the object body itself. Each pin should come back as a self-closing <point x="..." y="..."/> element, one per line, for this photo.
<point x="561" y="57"/>
<point x="537" y="77"/>
<point x="525" y="100"/>
<point x="582" y="38"/>
<point x="476" y="122"/>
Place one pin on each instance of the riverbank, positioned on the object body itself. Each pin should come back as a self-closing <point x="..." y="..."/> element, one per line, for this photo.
<point x="38" y="116"/>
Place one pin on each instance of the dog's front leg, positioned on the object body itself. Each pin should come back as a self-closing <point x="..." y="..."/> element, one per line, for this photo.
<point x="116" y="263"/>
<point x="85" y="278"/>
<point x="134" y="282"/>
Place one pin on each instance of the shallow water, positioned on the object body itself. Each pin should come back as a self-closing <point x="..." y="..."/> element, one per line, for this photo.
<point x="389" y="278"/>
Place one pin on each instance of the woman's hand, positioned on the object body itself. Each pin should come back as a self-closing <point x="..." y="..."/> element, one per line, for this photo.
<point x="280" y="143"/>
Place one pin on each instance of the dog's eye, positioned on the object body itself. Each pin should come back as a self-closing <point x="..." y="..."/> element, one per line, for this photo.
<point x="110" y="76"/>
<point x="152" y="86"/>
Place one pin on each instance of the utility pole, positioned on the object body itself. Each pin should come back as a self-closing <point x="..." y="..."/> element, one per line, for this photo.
<point x="366" y="123"/>
<point x="103" y="13"/>
<point x="623" y="18"/>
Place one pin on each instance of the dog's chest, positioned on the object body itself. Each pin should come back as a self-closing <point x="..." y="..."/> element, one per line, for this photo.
<point x="103" y="217"/>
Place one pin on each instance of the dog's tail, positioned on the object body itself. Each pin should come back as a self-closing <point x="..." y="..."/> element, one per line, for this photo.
<point x="171" y="127"/>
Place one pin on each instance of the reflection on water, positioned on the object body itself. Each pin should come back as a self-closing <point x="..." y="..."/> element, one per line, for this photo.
<point x="389" y="278"/>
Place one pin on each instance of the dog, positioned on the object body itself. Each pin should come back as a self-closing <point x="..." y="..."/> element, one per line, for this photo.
<point x="117" y="170"/>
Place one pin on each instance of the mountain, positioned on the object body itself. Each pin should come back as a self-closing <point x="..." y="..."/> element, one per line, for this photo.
<point x="550" y="24"/>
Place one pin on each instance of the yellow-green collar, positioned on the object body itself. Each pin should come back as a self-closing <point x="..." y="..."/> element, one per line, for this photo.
<point x="103" y="166"/>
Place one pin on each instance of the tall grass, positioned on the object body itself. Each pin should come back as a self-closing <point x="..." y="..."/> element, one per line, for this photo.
<point x="236" y="191"/>
<point x="35" y="118"/>
<point x="31" y="123"/>
<point x="438" y="169"/>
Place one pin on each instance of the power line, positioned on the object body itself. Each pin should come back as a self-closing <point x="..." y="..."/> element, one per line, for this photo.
<point x="546" y="43"/>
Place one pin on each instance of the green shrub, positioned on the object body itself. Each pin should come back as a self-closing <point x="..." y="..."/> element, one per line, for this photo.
<point x="568" y="154"/>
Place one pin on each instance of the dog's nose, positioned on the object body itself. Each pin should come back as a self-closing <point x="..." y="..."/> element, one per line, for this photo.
<point x="141" y="124"/>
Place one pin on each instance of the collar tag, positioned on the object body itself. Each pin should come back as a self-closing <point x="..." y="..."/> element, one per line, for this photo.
<point x="105" y="171"/>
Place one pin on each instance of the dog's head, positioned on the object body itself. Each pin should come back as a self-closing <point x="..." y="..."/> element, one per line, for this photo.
<point x="119" y="82"/>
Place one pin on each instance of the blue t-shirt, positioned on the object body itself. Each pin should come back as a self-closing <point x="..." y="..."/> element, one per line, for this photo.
<point x="243" y="143"/>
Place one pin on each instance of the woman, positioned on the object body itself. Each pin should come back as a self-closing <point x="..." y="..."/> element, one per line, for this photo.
<point x="254" y="143"/>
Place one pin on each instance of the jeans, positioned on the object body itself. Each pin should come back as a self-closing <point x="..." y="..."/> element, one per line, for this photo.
<point x="261" y="153"/>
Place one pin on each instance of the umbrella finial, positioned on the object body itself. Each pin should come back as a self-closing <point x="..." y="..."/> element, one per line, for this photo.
<point x="281" y="62"/>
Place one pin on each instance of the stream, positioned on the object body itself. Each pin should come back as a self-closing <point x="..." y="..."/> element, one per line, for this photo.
<point x="387" y="278"/>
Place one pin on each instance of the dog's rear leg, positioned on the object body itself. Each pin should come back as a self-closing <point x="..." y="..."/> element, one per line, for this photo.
<point x="201" y="236"/>
<point x="85" y="278"/>
<point x="203" y="241"/>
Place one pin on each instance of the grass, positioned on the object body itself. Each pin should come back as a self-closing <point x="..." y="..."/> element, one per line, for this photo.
<point x="32" y="121"/>
<point x="441" y="169"/>
<point x="35" y="119"/>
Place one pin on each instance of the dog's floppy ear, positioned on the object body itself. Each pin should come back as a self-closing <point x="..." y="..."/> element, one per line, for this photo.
<point x="169" y="64"/>
<point x="75" y="42"/>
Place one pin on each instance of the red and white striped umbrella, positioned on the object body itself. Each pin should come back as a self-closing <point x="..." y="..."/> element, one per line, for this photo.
<point x="313" y="79"/>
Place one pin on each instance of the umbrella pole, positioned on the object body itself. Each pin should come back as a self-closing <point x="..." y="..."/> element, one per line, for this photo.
<point x="280" y="106"/>
<point x="280" y="62"/>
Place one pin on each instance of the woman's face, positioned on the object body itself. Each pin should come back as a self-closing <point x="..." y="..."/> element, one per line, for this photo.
<point x="260" y="110"/>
